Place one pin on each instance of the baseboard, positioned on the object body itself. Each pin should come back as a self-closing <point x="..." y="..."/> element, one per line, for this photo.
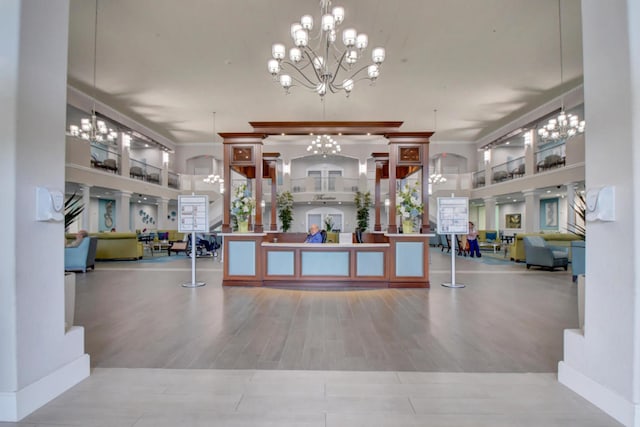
<point x="17" y="405"/>
<point x="610" y="402"/>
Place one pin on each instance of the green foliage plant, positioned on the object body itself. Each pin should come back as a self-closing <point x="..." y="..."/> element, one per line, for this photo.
<point x="579" y="207"/>
<point x="285" y="209"/>
<point x="363" y="204"/>
<point x="73" y="207"/>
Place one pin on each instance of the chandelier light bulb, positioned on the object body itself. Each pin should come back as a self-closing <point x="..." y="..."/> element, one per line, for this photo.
<point x="302" y="38"/>
<point x="285" y="81"/>
<point x="294" y="28"/>
<point x="348" y="85"/>
<point x="338" y="14"/>
<point x="274" y="67"/>
<point x="278" y="51"/>
<point x="362" y="40"/>
<point x="349" y="37"/>
<point x="328" y="23"/>
<point x="351" y="57"/>
<point x="307" y="22"/>
<point x="373" y="72"/>
<point x="378" y="55"/>
<point x="295" y="54"/>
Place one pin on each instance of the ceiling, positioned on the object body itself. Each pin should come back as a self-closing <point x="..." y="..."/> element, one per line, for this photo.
<point x="169" y="65"/>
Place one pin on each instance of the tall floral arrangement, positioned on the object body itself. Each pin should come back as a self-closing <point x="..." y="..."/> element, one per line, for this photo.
<point x="243" y="204"/>
<point x="409" y="202"/>
<point x="285" y="209"/>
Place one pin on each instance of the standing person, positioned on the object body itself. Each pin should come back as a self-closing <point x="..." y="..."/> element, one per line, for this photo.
<point x="314" y="235"/>
<point x="472" y="238"/>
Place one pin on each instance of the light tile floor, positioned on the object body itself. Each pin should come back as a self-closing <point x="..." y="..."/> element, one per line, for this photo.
<point x="117" y="397"/>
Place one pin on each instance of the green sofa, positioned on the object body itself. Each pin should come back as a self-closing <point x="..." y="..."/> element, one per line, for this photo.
<point x="118" y="246"/>
<point x="562" y="240"/>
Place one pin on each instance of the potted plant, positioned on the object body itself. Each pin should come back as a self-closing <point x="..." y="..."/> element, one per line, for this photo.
<point x="242" y="207"/>
<point x="328" y="223"/>
<point x="285" y="209"/>
<point x="73" y="207"/>
<point x="578" y="251"/>
<point x="363" y="204"/>
<point x="409" y="206"/>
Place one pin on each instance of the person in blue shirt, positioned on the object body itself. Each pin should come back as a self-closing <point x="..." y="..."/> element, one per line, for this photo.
<point x="314" y="234"/>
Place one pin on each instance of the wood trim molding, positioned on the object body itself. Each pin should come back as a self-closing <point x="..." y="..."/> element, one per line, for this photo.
<point x="346" y="128"/>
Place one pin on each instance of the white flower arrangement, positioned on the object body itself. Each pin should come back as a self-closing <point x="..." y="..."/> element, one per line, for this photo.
<point x="243" y="204"/>
<point x="408" y="202"/>
<point x="328" y="223"/>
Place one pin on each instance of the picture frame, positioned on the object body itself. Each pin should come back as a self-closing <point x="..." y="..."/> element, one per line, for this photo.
<point x="549" y="214"/>
<point x="513" y="221"/>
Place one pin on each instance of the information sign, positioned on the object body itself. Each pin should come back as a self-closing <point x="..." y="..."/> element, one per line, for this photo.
<point x="193" y="214"/>
<point x="453" y="215"/>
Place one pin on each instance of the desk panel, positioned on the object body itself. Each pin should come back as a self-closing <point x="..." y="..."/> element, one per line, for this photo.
<point x="325" y="263"/>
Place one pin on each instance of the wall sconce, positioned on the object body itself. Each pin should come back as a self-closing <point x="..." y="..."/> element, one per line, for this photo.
<point x="363" y="168"/>
<point x="430" y="188"/>
<point x="165" y="158"/>
<point x="263" y="204"/>
<point x="221" y="187"/>
<point x="528" y="138"/>
<point x="487" y="156"/>
<point x="126" y="140"/>
<point x="387" y="202"/>
<point x="286" y="168"/>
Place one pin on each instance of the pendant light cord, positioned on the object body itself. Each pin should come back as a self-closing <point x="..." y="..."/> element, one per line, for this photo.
<point x="95" y="56"/>
<point x="561" y="57"/>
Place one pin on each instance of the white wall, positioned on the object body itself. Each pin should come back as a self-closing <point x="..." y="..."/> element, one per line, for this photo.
<point x="38" y="360"/>
<point x="188" y="151"/>
<point x="151" y="156"/>
<point x="511" y="208"/>
<point x="348" y="166"/>
<point x="603" y="364"/>
<point x="349" y="217"/>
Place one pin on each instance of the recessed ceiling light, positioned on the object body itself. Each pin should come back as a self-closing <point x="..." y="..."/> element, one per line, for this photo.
<point x="514" y="200"/>
<point x="507" y="143"/>
<point x="144" y="198"/>
<point x="146" y="145"/>
<point x="139" y="201"/>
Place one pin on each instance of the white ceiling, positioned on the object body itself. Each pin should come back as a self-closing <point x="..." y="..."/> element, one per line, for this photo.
<point x="170" y="64"/>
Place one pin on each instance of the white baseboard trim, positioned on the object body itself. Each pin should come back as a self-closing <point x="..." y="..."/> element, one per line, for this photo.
<point x="610" y="402"/>
<point x="17" y="405"/>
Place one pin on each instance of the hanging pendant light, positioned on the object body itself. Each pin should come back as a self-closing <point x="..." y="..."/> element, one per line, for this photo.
<point x="564" y="126"/>
<point x="92" y="129"/>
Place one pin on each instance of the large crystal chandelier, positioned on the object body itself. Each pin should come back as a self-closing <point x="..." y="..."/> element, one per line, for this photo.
<point x="324" y="145"/>
<point x="437" y="178"/>
<point x="564" y="126"/>
<point x="92" y="129"/>
<point x="324" y="67"/>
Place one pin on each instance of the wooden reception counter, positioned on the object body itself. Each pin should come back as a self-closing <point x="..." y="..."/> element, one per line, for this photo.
<point x="391" y="260"/>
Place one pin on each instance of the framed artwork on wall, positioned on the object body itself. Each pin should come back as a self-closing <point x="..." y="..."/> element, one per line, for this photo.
<point x="513" y="221"/>
<point x="549" y="214"/>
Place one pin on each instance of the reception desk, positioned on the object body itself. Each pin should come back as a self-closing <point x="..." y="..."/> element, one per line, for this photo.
<point x="394" y="260"/>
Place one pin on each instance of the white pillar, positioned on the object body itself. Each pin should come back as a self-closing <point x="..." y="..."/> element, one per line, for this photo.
<point x="123" y="211"/>
<point x="529" y="155"/>
<point x="490" y="213"/>
<point x="38" y="360"/>
<point x="487" y="168"/>
<point x="531" y="211"/>
<point x="163" y="211"/>
<point x="602" y="363"/>
<point x="86" y="202"/>
<point x="571" y="199"/>
<point x="123" y="150"/>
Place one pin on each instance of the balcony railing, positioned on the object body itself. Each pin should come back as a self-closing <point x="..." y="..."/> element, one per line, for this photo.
<point x="477" y="179"/>
<point x="316" y="184"/>
<point x="145" y="172"/>
<point x="550" y="157"/>
<point x="507" y="170"/>
<point x="104" y="159"/>
<point x="173" y="180"/>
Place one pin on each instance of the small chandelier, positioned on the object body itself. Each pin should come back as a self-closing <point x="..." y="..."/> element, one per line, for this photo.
<point x="94" y="130"/>
<point x="324" y="145"/>
<point x="436" y="178"/>
<point x="318" y="68"/>
<point x="212" y="179"/>
<point x="563" y="127"/>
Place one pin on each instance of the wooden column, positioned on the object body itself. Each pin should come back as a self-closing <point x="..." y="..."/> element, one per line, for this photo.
<point x="408" y="154"/>
<point x="270" y="164"/>
<point x="243" y="154"/>
<point x="382" y="172"/>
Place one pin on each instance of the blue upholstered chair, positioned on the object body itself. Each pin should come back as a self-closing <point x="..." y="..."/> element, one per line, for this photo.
<point x="81" y="257"/>
<point x="538" y="253"/>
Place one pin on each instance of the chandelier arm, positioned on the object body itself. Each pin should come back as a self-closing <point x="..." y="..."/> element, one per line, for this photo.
<point x="338" y="67"/>
<point x="306" y="52"/>
<point x="303" y="83"/>
<point x="292" y="65"/>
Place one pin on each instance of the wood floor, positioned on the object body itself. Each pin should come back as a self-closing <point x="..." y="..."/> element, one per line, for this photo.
<point x="507" y="319"/>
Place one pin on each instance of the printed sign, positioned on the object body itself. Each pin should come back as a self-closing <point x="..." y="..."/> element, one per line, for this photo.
<point x="453" y="215"/>
<point x="193" y="214"/>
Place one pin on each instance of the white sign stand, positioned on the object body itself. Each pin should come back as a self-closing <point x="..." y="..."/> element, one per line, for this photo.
<point x="453" y="218"/>
<point x="193" y="215"/>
